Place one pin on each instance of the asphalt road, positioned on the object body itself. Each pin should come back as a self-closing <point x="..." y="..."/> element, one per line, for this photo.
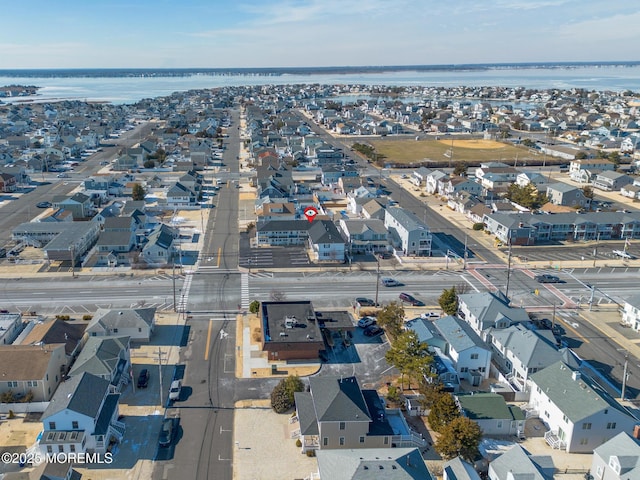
<point x="205" y="450"/>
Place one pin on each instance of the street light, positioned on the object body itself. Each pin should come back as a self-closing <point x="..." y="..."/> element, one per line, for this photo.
<point x="377" y="278"/>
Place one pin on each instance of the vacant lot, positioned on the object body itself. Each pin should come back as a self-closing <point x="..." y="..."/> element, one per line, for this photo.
<point x="469" y="151"/>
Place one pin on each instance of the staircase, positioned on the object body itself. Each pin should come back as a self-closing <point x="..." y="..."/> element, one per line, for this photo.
<point x="117" y="430"/>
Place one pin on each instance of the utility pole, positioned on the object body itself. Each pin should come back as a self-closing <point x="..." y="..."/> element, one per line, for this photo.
<point x="73" y="262"/>
<point x="553" y="318"/>
<point x="377" y="279"/>
<point x="464" y="257"/>
<point x="173" y="277"/>
<point x="160" y="375"/>
<point x="595" y="250"/>
<point x="593" y="292"/>
<point x="506" y="292"/>
<point x="624" y="376"/>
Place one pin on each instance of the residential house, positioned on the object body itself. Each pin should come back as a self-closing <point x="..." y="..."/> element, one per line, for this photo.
<point x="337" y="414"/>
<point x="617" y="459"/>
<point x="10" y="327"/>
<point x="8" y="183"/>
<point x="136" y="323"/>
<point x="160" y="248"/>
<point x="419" y="176"/>
<point x="81" y="417"/>
<point x="332" y="173"/>
<point x="458" y="469"/>
<point x="79" y="204"/>
<point x="57" y="331"/>
<point x="106" y="357"/>
<point x="282" y="232"/>
<point x="591" y="164"/>
<point x="179" y="196"/>
<point x="326" y="242"/>
<point x="365" y="236"/>
<point x="539" y="180"/>
<point x="567" y="195"/>
<point x="61" y="241"/>
<point x="290" y="331"/>
<point x="492" y="414"/>
<point x="392" y="464"/>
<point x="116" y="241"/>
<point x="517" y="463"/>
<point x="579" y="414"/>
<point x="631" y="312"/>
<point x="520" y="352"/>
<point x="453" y="186"/>
<point x="630" y="191"/>
<point x="276" y="211"/>
<point x="374" y="208"/>
<point x="408" y="234"/>
<point x="433" y="181"/>
<point x="487" y="311"/>
<point x="32" y="372"/>
<point x="611" y="181"/>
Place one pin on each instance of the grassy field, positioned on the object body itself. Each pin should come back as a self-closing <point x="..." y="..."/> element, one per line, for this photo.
<point x="469" y="151"/>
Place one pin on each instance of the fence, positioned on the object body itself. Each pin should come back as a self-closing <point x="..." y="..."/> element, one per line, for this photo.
<point x="26" y="407"/>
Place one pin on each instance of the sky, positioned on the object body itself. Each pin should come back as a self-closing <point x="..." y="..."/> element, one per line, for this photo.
<point x="294" y="33"/>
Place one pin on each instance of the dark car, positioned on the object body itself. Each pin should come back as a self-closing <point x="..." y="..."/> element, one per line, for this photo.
<point x="143" y="378"/>
<point x="365" y="302"/>
<point x="545" y="278"/>
<point x="410" y="299"/>
<point x="43" y="204"/>
<point x="373" y="331"/>
<point x="384" y="255"/>
<point x="166" y="432"/>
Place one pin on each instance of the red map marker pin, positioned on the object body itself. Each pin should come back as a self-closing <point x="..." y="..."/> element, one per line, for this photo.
<point x="310" y="213"/>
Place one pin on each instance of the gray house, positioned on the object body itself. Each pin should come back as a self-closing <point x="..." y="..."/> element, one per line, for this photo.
<point x="107" y="358"/>
<point x="567" y="195"/>
<point x="137" y="323"/>
<point x="611" y="181"/>
<point x="617" y="459"/>
<point x="518" y="463"/>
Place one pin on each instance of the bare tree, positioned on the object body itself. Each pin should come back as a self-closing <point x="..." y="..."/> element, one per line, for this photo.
<point x="277" y="295"/>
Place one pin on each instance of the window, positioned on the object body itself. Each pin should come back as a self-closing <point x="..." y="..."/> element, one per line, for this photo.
<point x="72" y="448"/>
<point x="584" y="441"/>
<point x="341" y="440"/>
<point x="586" y="426"/>
<point x="49" y="449"/>
<point x="474" y="356"/>
<point x="74" y="425"/>
<point x="361" y="438"/>
<point x="343" y="425"/>
<point x="386" y="440"/>
<point x="565" y="419"/>
<point x="611" y="426"/>
<point x="115" y="330"/>
<point x="464" y="369"/>
<point x="52" y="425"/>
<point x="499" y="424"/>
<point x="139" y="329"/>
<point x="325" y="441"/>
<point x="12" y="384"/>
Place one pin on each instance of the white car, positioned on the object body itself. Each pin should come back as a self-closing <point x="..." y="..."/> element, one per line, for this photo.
<point x="428" y="315"/>
<point x="174" y="391"/>
<point x="623" y="254"/>
<point x="364" y="322"/>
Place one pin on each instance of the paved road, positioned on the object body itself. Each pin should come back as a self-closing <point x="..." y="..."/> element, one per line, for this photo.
<point x="205" y="450"/>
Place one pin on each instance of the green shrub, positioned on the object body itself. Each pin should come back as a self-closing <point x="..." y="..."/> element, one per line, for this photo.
<point x="87" y="317"/>
<point x="298" y="443"/>
<point x="478" y="226"/>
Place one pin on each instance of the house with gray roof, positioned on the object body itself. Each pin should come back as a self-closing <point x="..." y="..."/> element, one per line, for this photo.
<point x="326" y="242"/>
<point x="81" y="417"/>
<point x="617" y="459"/>
<point x="610" y="181"/>
<point x="492" y="413"/>
<point x="105" y="357"/>
<point x="136" y="323"/>
<point x="337" y="414"/>
<point x="458" y="469"/>
<point x="160" y="248"/>
<point x="365" y="235"/>
<point x="567" y="195"/>
<point x="579" y="414"/>
<point x="408" y="234"/>
<point x="520" y="352"/>
<point x="487" y="311"/>
<point x="631" y="312"/>
<point x="374" y="208"/>
<point x="517" y="463"/>
<point x="356" y="464"/>
<point x="60" y="241"/>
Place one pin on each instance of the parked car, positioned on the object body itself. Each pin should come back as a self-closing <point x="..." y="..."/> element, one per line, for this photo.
<point x="365" y="322"/>
<point x="166" y="432"/>
<point x="366" y="302"/>
<point x="545" y="278"/>
<point x="143" y="378"/>
<point x="174" y="391"/>
<point x="429" y="315"/>
<point x="623" y="254"/>
<point x="410" y="299"/>
<point x="62" y="175"/>
<point x="373" y="330"/>
<point x="384" y="255"/>
<point x="390" y="282"/>
<point x="43" y="204"/>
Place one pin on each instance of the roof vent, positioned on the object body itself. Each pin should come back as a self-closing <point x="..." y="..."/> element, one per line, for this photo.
<point x="575" y="376"/>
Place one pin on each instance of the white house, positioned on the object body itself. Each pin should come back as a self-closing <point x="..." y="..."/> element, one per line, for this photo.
<point x="408" y="234"/>
<point x="136" y="323"/>
<point x="631" y="312"/>
<point x="579" y="414"/>
<point x="617" y="459"/>
<point x="81" y="417"/>
<point x="326" y="242"/>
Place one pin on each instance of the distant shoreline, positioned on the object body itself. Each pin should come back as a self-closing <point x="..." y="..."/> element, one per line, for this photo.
<point x="280" y="71"/>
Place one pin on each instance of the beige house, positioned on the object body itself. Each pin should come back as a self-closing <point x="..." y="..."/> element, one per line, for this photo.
<point x="32" y="368"/>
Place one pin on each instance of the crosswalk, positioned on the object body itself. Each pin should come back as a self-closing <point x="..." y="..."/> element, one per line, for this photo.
<point x="244" y="290"/>
<point x="181" y="303"/>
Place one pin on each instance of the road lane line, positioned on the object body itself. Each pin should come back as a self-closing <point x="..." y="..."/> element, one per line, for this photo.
<point x="206" y="352"/>
<point x="219" y="256"/>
